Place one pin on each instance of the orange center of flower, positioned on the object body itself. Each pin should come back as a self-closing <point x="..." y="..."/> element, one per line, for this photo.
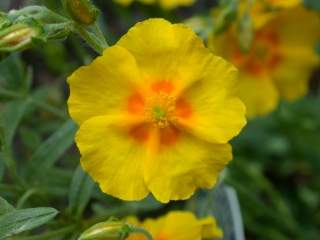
<point x="264" y="55"/>
<point x="161" y="110"/>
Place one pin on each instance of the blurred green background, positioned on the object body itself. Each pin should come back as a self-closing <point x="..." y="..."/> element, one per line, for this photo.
<point x="276" y="158"/>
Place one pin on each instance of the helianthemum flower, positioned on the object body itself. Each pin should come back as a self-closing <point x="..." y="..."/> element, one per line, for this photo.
<point x="156" y="112"/>
<point x="280" y="61"/>
<point x="178" y="226"/>
<point x="263" y="10"/>
<point x="166" y="4"/>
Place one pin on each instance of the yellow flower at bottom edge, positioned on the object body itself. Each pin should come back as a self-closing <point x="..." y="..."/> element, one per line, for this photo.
<point x="280" y="62"/>
<point x="166" y="4"/>
<point x="156" y="112"/>
<point x="178" y="225"/>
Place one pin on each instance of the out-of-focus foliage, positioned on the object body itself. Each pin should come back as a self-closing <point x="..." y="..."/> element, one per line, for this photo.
<point x="276" y="158"/>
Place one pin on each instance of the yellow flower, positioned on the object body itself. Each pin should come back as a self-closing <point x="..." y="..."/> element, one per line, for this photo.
<point x="264" y="10"/>
<point x="170" y="4"/>
<point x="166" y="4"/>
<point x="178" y="225"/>
<point x="156" y="112"/>
<point x="284" y="3"/>
<point x="280" y="61"/>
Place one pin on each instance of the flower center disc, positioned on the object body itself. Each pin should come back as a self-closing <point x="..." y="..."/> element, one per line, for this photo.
<point x="160" y="110"/>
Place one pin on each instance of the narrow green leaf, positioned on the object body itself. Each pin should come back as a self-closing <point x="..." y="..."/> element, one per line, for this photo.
<point x="1" y="168"/>
<point x="18" y="221"/>
<point x="12" y="73"/>
<point x="245" y="30"/>
<point x="10" y="118"/>
<point x="5" y="207"/>
<point x="53" y="148"/>
<point x="80" y="191"/>
<point x="227" y="13"/>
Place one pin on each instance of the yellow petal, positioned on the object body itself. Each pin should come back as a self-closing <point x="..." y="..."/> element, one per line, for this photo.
<point x="101" y="87"/>
<point x="217" y="115"/>
<point x="170" y="4"/>
<point x="177" y="225"/>
<point x="298" y="42"/>
<point x="124" y="2"/>
<point x="167" y="52"/>
<point x="210" y="229"/>
<point x="258" y="94"/>
<point x="284" y="3"/>
<point x="111" y="158"/>
<point x="176" y="171"/>
<point x="293" y="31"/>
<point x="293" y="73"/>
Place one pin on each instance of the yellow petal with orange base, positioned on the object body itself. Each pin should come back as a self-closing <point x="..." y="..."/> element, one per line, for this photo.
<point x="103" y="86"/>
<point x="167" y="52"/>
<point x="179" y="225"/>
<point x="111" y="158"/>
<point x="218" y="115"/>
<point x="177" y="170"/>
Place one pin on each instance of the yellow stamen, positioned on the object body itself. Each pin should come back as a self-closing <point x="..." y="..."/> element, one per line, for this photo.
<point x="160" y="110"/>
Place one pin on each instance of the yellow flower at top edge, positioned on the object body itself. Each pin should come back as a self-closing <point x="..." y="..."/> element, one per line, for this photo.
<point x="283" y="3"/>
<point x="178" y="225"/>
<point x="156" y="112"/>
<point x="264" y="10"/>
<point x="166" y="4"/>
<point x="280" y="62"/>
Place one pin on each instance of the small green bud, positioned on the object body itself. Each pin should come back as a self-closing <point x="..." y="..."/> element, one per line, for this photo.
<point x="109" y="230"/>
<point x="17" y="37"/>
<point x="82" y="11"/>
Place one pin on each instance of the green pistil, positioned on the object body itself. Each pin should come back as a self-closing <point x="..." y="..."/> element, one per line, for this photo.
<point x="158" y="113"/>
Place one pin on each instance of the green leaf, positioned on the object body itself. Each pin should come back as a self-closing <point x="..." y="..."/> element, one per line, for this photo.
<point x="18" y="221"/>
<point x="227" y="14"/>
<point x="315" y="4"/>
<point x="80" y="191"/>
<point x="10" y="118"/>
<point x="245" y="30"/>
<point x="2" y="167"/>
<point x="5" y="207"/>
<point x="14" y="75"/>
<point x="53" y="148"/>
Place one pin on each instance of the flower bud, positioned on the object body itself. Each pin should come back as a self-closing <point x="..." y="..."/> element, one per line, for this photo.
<point x="82" y="11"/>
<point x="109" y="230"/>
<point x="17" y="37"/>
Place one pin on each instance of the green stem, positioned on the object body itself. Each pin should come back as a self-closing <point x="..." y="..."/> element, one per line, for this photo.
<point x="100" y="35"/>
<point x="26" y="196"/>
<point x="90" y="39"/>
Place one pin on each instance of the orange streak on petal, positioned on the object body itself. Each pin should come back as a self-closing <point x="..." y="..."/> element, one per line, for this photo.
<point x="136" y="103"/>
<point x="163" y="86"/>
<point x="169" y="136"/>
<point x="140" y="133"/>
<point x="183" y="109"/>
